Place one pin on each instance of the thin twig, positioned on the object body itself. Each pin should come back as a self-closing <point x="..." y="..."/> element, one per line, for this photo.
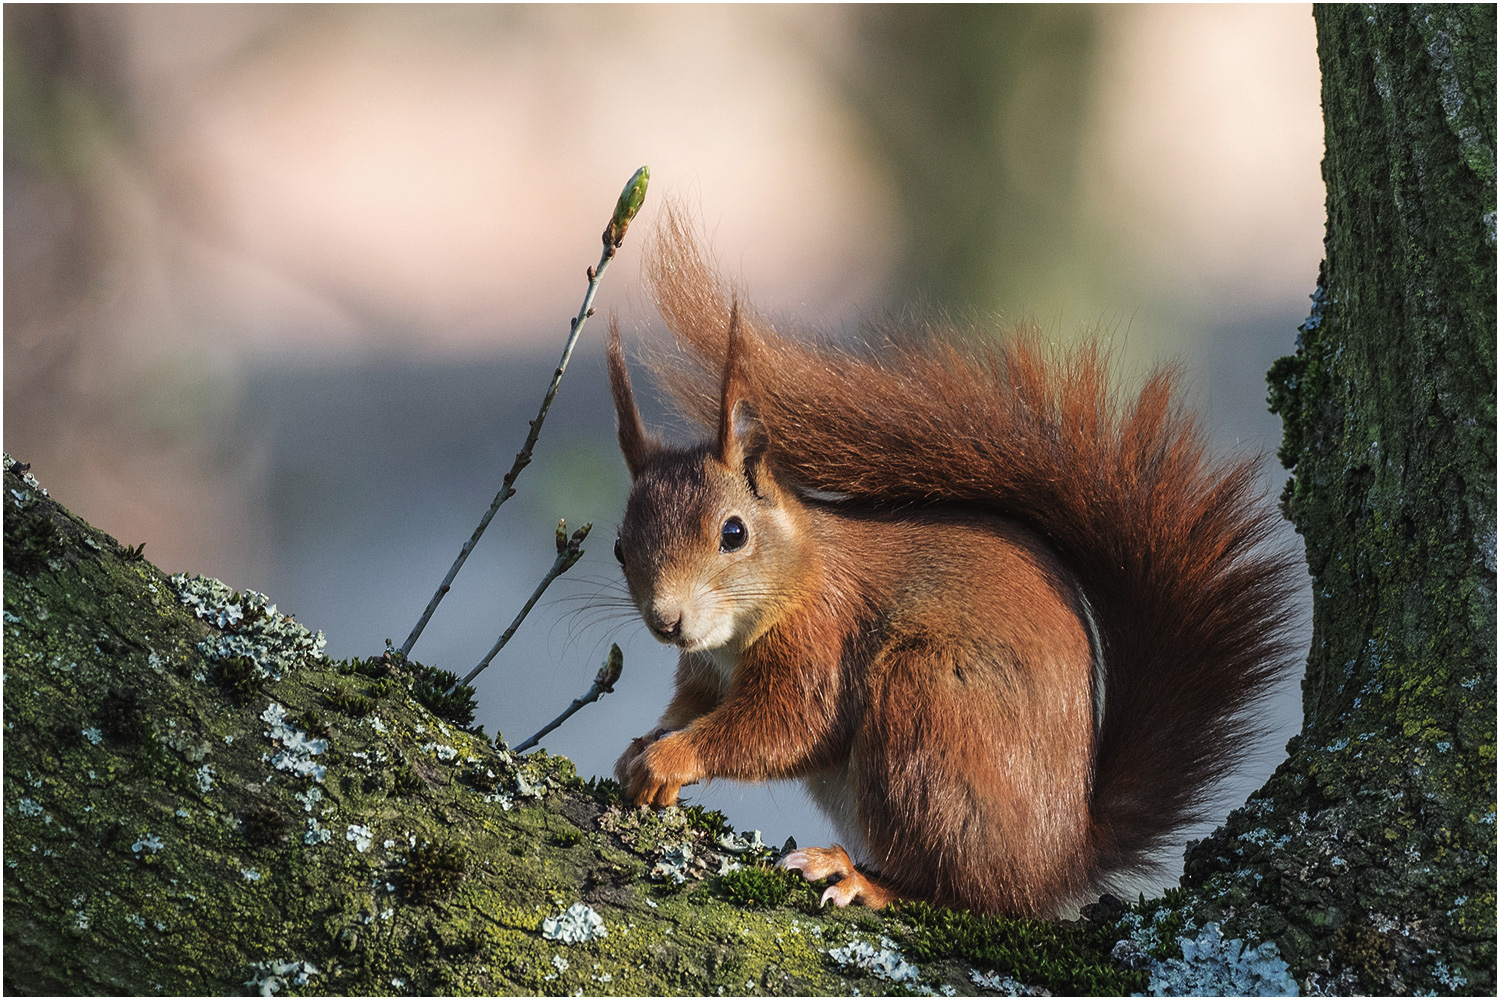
<point x="625" y="209"/>
<point x="604" y="683"/>
<point x="569" y="550"/>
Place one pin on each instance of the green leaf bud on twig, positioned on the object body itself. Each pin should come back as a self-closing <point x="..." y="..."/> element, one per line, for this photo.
<point x="610" y="672"/>
<point x="626" y="208"/>
<point x="604" y="683"/>
<point x="572" y="551"/>
<point x="571" y="546"/>
<point x="569" y="551"/>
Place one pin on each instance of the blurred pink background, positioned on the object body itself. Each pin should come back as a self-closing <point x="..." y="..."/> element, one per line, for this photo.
<point x="284" y="283"/>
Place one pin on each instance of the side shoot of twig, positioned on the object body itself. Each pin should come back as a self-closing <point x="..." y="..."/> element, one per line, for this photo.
<point x="626" y="207"/>
<point x="569" y="551"/>
<point x="604" y="683"/>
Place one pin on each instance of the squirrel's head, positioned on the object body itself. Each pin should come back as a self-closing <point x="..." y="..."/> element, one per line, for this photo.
<point x="710" y="539"/>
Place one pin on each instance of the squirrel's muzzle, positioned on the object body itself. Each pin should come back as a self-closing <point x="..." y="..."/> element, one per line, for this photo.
<point x="666" y="625"/>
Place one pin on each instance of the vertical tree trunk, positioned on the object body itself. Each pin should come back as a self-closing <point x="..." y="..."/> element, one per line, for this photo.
<point x="1370" y="855"/>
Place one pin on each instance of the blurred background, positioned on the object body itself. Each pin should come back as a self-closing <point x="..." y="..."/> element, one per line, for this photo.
<point x="284" y="283"/>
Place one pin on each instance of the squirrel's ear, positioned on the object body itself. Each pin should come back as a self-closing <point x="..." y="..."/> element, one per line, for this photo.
<point x="635" y="444"/>
<point x="742" y="436"/>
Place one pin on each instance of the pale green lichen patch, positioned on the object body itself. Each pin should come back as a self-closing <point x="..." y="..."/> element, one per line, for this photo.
<point x="250" y="627"/>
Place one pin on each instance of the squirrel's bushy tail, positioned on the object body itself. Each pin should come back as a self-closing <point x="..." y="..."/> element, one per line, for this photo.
<point x="1191" y="604"/>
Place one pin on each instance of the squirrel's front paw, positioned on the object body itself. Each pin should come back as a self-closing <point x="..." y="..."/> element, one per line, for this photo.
<point x="636" y="748"/>
<point x="653" y="774"/>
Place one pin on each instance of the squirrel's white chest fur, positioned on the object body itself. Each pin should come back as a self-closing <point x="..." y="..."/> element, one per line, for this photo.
<point x="716" y="665"/>
<point x="833" y="793"/>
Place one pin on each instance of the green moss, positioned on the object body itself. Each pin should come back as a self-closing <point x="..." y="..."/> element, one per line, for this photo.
<point x="709" y="821"/>
<point x="440" y="691"/>
<point x="649" y="831"/>
<point x="1070" y="958"/>
<point x="153" y="844"/>
<point x="351" y="703"/>
<point x="432" y="872"/>
<point x="1168" y="917"/>
<point x="605" y="791"/>
<point x="314" y="722"/>
<point x="405" y="780"/>
<point x="239" y="677"/>
<point x="31" y="541"/>
<point x="1367" y="951"/>
<point x="760" y="887"/>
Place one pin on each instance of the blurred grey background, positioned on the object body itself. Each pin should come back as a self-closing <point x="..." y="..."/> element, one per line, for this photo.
<point x="284" y="283"/>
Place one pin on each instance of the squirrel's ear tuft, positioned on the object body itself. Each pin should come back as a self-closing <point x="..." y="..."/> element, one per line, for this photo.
<point x="742" y="436"/>
<point x="635" y="444"/>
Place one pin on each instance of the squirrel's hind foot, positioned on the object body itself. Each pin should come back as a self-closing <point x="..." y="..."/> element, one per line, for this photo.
<point x="853" y="886"/>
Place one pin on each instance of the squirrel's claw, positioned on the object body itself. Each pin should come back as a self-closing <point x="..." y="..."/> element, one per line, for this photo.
<point x="655" y="768"/>
<point x="841" y="894"/>
<point x="665" y="795"/>
<point x="853" y="886"/>
<point x="818" y="863"/>
<point x="626" y="763"/>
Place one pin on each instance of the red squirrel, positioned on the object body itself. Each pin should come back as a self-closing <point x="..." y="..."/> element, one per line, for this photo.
<point x="1005" y="625"/>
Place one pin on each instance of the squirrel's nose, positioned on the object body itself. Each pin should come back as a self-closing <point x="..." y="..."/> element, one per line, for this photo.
<point x="665" y="626"/>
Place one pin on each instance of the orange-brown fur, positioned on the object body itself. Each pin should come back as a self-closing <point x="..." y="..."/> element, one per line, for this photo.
<point x="924" y="650"/>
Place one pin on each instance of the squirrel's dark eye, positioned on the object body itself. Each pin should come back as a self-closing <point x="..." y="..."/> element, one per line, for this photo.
<point x="619" y="553"/>
<point x="733" y="535"/>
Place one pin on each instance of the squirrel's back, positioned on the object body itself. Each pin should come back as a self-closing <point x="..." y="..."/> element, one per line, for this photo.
<point x="1189" y="604"/>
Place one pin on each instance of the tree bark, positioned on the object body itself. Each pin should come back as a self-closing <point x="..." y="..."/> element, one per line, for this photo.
<point x="1370" y="855"/>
